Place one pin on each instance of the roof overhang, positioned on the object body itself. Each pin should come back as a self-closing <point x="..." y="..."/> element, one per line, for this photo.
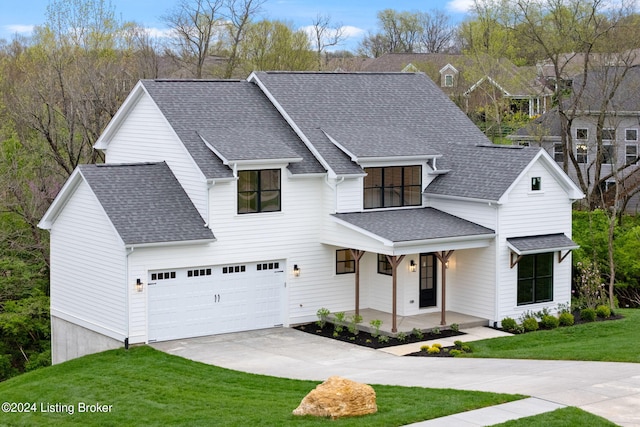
<point x="529" y="245"/>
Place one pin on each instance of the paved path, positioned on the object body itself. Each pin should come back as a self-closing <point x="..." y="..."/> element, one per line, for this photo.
<point x="611" y="390"/>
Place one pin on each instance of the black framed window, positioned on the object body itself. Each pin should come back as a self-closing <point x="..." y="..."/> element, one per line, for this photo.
<point x="392" y="187"/>
<point x="535" y="278"/>
<point x="608" y="154"/>
<point x="631" y="155"/>
<point x="558" y="155"/>
<point x="631" y="135"/>
<point x="259" y="191"/>
<point x="345" y="262"/>
<point x="384" y="266"/>
<point x="581" y="153"/>
<point x="536" y="183"/>
<point x="608" y="134"/>
<point x="582" y="133"/>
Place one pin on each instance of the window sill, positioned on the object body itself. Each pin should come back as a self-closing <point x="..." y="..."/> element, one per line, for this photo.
<point x="536" y="193"/>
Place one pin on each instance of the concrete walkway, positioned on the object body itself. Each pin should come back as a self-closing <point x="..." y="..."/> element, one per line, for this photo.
<point x="610" y="390"/>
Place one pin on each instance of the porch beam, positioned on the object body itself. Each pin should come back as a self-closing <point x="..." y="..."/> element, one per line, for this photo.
<point x="357" y="254"/>
<point x="395" y="262"/>
<point x="443" y="257"/>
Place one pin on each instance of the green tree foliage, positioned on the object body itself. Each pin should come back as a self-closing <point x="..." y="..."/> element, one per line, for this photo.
<point x="275" y="45"/>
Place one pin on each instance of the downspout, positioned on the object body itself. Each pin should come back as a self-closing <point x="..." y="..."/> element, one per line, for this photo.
<point x="496" y="310"/>
<point x="127" y="294"/>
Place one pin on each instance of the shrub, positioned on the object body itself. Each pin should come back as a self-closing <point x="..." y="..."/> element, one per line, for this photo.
<point x="433" y="350"/>
<point x="530" y="324"/>
<point x="402" y="337"/>
<point x="375" y="325"/>
<point x="466" y="349"/>
<point x="509" y="324"/>
<point x="455" y="327"/>
<point x="436" y="345"/>
<point x="588" y="314"/>
<point x="323" y="315"/>
<point x="550" y="322"/>
<point x="354" y="320"/>
<point x="338" y="326"/>
<point x="383" y="339"/>
<point x="417" y="333"/>
<point x="603" y="311"/>
<point x="424" y="347"/>
<point x="435" y="331"/>
<point x="455" y="353"/>
<point x="457" y="343"/>
<point x="566" y="319"/>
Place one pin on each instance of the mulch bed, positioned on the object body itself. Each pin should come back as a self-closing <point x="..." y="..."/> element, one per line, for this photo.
<point x="365" y="339"/>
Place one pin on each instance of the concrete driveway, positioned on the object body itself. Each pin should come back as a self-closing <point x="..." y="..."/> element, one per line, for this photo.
<point x="610" y="390"/>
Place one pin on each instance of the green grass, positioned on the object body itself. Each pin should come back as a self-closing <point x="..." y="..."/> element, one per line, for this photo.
<point x="148" y="387"/>
<point x="613" y="341"/>
<point x="560" y="418"/>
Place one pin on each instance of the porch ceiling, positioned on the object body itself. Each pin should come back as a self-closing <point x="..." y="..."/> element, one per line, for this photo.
<point x="407" y="231"/>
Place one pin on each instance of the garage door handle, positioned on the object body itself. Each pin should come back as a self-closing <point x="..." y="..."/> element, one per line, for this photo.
<point x="216" y="298"/>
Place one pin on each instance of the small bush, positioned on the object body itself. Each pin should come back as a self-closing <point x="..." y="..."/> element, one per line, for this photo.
<point x="383" y="339"/>
<point x="530" y="324"/>
<point x="433" y="350"/>
<point x="436" y="331"/>
<point x="417" y="333"/>
<point x="550" y="322"/>
<point x="455" y="327"/>
<point x="566" y="319"/>
<point x="603" y="311"/>
<point x="455" y="353"/>
<point x="509" y="324"/>
<point x="402" y="337"/>
<point x="588" y="314"/>
<point x="466" y="349"/>
<point x="436" y="345"/>
<point x="424" y="347"/>
<point x="323" y="315"/>
<point x="458" y="343"/>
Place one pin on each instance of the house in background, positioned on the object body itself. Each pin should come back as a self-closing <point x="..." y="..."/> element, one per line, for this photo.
<point x="232" y="205"/>
<point x="473" y="83"/>
<point x="618" y="133"/>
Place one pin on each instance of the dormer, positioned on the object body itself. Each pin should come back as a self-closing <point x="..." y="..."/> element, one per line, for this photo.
<point x="448" y="76"/>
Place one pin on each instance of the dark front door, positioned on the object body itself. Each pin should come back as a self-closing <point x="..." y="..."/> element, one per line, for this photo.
<point x="428" y="282"/>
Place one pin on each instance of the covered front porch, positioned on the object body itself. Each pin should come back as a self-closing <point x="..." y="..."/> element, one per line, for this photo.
<point x="425" y="321"/>
<point x="414" y="234"/>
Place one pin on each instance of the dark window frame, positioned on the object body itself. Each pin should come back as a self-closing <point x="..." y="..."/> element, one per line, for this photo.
<point x="345" y="264"/>
<point x="608" y="134"/>
<point x="582" y="153"/>
<point x="608" y="154"/>
<point x="536" y="183"/>
<point x="258" y="187"/>
<point x="558" y="154"/>
<point x="628" y="135"/>
<point x="582" y="134"/>
<point x="384" y="266"/>
<point x="631" y="158"/>
<point x="379" y="186"/>
<point x="535" y="273"/>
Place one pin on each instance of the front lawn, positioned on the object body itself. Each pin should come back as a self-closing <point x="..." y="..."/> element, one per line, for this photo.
<point x="611" y="340"/>
<point x="563" y="417"/>
<point x="147" y="387"/>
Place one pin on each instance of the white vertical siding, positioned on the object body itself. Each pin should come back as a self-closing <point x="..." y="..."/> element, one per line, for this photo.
<point x="530" y="213"/>
<point x="93" y="295"/>
<point x="145" y="136"/>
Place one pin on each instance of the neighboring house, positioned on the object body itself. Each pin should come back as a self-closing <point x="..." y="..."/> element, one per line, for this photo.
<point x="473" y="83"/>
<point x="618" y="132"/>
<point x="236" y="205"/>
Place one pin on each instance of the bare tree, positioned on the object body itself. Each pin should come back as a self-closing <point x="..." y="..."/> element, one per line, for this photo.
<point x="437" y="32"/>
<point x="196" y="23"/>
<point x="240" y="15"/>
<point x="325" y="34"/>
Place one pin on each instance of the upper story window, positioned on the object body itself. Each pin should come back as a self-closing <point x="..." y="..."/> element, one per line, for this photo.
<point x="631" y="154"/>
<point x="581" y="153"/>
<point x="259" y="191"/>
<point x="582" y="133"/>
<point x="448" y="80"/>
<point x="607" y="154"/>
<point x="392" y="187"/>
<point x="631" y="134"/>
<point x="536" y="183"/>
<point x="558" y="155"/>
<point x="608" y="134"/>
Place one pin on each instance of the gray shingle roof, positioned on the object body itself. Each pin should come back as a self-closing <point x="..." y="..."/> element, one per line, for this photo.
<point x="145" y="203"/>
<point x="235" y="117"/>
<point x="400" y="103"/>
<point x="547" y="242"/>
<point x="480" y="172"/>
<point x="403" y="225"/>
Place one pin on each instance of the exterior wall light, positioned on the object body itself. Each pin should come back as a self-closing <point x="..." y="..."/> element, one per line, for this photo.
<point x="296" y="270"/>
<point x="138" y="285"/>
<point x="412" y="266"/>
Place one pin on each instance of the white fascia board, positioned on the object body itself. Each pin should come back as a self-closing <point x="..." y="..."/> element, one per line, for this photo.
<point x="448" y="66"/>
<point x="479" y="82"/>
<point x="461" y="198"/>
<point x="253" y="78"/>
<point x="344" y="149"/>
<point x="176" y="243"/>
<point x="102" y="142"/>
<point x="60" y="200"/>
<point x="461" y="241"/>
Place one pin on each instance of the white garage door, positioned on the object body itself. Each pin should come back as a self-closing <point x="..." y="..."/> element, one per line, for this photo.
<point x="213" y="300"/>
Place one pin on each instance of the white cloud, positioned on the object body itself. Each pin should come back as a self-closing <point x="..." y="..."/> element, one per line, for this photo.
<point x="348" y="32"/>
<point x="460" y="6"/>
<point x="20" y="29"/>
<point x="160" y="33"/>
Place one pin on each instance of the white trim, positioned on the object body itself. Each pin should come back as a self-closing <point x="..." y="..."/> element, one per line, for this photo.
<point x="173" y="243"/>
<point x="542" y="250"/>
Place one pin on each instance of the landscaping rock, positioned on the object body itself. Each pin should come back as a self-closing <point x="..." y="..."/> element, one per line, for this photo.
<point x="338" y="397"/>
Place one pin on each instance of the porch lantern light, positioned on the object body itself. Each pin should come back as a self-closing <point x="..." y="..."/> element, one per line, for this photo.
<point x="412" y="266"/>
<point x="138" y="285"/>
<point x="296" y="270"/>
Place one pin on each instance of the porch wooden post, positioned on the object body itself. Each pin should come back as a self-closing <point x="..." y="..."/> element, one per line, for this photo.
<point x="443" y="258"/>
<point x="357" y="254"/>
<point x="394" y="261"/>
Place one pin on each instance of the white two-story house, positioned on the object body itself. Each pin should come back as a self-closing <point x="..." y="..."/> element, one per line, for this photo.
<point x="231" y="205"/>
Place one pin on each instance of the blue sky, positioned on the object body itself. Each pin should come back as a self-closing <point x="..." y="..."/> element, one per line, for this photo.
<point x="359" y="16"/>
